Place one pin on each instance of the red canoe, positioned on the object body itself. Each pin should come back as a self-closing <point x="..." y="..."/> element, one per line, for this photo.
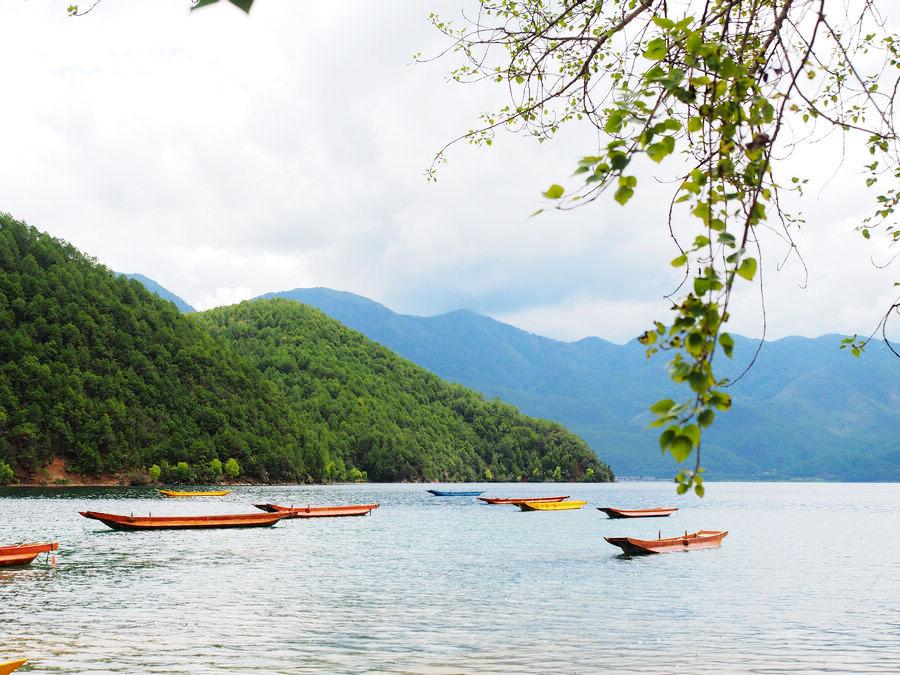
<point x="701" y="539"/>
<point x="636" y="513"/>
<point x="319" y="511"/>
<point x="521" y="500"/>
<point x="184" y="522"/>
<point x="22" y="554"/>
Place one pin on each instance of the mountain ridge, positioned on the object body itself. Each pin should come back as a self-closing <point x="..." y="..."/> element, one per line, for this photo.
<point x="828" y="391"/>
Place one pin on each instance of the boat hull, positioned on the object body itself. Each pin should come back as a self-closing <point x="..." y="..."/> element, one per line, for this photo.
<point x="9" y="666"/>
<point x="209" y="493"/>
<point x="134" y="523"/>
<point x="343" y="511"/>
<point x="552" y="506"/>
<point x="695" y="540"/>
<point x="636" y="513"/>
<point x="455" y="493"/>
<point x="24" y="554"/>
<point x="519" y="500"/>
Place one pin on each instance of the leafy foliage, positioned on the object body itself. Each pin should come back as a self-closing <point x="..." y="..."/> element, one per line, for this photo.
<point x="360" y="405"/>
<point x="717" y="83"/>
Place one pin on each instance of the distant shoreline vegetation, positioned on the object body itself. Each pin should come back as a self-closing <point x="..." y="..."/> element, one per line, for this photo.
<point x="102" y="380"/>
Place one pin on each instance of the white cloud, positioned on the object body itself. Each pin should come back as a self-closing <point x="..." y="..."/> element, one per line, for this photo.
<point x="226" y="156"/>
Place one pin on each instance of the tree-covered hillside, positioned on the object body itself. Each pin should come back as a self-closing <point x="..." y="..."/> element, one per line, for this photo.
<point x="96" y="370"/>
<point x="99" y="372"/>
<point x="370" y="408"/>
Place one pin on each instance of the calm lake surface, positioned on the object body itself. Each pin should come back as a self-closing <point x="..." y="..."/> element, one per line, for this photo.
<point x="807" y="581"/>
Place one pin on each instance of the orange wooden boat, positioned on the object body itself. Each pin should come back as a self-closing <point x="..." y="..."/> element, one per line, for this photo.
<point x="700" y="539"/>
<point x="637" y="513"/>
<point x="9" y="666"/>
<point x="23" y="554"/>
<point x="520" y="500"/>
<point x="319" y="511"/>
<point x="117" y="522"/>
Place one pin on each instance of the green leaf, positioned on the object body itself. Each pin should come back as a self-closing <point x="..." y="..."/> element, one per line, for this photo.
<point x="656" y="49"/>
<point x="554" y="191"/>
<point x="747" y="269"/>
<point x="623" y="194"/>
<point x="692" y="431"/>
<point x="679" y="261"/>
<point x="681" y="448"/>
<point x="706" y="418"/>
<point x="699" y="490"/>
<point x="727" y="343"/>
<point x="694" y="124"/>
<point x="663" y="406"/>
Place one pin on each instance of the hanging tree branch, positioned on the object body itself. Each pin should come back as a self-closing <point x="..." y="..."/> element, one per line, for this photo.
<point x="715" y="84"/>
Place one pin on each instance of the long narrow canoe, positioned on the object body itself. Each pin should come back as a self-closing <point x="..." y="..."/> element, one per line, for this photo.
<point x="117" y="522"/>
<point x="209" y="493"/>
<point x="9" y="666"/>
<point x="319" y="511"/>
<point x="455" y="493"/>
<point x="519" y="500"/>
<point x="700" y="539"/>
<point x="637" y="513"/>
<point x="23" y="554"/>
<point x="551" y="506"/>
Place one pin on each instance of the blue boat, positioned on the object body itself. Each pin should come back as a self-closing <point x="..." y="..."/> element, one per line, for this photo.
<point x="455" y="493"/>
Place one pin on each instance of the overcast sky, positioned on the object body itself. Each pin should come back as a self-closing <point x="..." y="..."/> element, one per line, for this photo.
<point x="226" y="156"/>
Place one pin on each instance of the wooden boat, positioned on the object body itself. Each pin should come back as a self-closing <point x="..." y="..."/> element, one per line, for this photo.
<point x="117" y="522"/>
<point x="551" y="506"/>
<point x="700" y="539"/>
<point x="209" y="493"/>
<point x="519" y="500"/>
<point x="455" y="493"/>
<point x="23" y="554"/>
<point x="637" y="513"/>
<point x="9" y="666"/>
<point x="319" y="511"/>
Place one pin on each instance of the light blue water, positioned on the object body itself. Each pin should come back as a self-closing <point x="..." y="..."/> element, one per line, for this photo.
<point x="808" y="580"/>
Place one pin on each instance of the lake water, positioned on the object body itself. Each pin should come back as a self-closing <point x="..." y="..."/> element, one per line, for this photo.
<point x="808" y="580"/>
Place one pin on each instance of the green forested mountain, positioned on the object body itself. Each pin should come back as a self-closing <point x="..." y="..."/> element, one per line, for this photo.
<point x="370" y="408"/>
<point x="96" y="370"/>
<point x="805" y="410"/>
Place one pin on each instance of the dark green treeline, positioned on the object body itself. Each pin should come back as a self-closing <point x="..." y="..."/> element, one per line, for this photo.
<point x="95" y="369"/>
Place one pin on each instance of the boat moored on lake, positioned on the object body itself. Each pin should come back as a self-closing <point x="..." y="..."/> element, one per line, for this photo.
<point x="24" y="554"/>
<point x="132" y="522"/>
<point x="9" y="666"/>
<point x="207" y="493"/>
<point x="519" y="500"/>
<point x="319" y="511"/>
<point x="552" y="506"/>
<point x="686" y="542"/>
<point x="455" y="493"/>
<point x="637" y="513"/>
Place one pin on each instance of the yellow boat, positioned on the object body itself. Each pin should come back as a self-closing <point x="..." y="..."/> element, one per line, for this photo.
<point x="210" y="493"/>
<point x="552" y="506"/>
<point x="9" y="666"/>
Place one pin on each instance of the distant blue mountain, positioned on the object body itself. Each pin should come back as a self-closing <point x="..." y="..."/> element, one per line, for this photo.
<point x="806" y="410"/>
<point x="164" y="293"/>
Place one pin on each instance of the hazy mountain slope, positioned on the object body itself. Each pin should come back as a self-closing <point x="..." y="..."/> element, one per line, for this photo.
<point x="806" y="410"/>
<point x="164" y="293"/>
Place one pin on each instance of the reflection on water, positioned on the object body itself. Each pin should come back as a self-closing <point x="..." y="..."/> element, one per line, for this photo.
<point x="807" y="580"/>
